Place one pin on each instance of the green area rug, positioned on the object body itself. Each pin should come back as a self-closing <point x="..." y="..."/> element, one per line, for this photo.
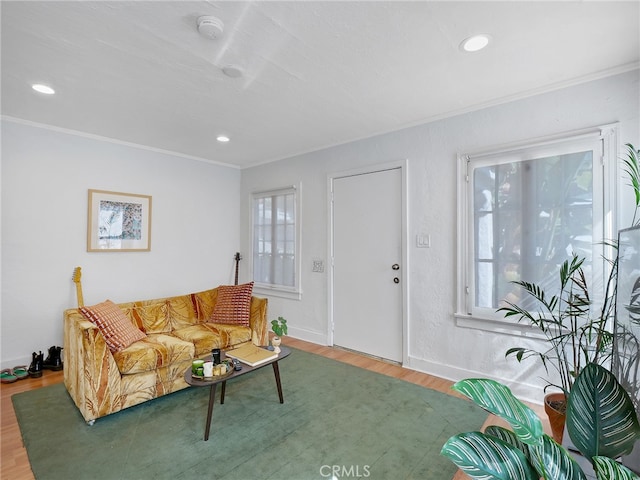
<point x="336" y="420"/>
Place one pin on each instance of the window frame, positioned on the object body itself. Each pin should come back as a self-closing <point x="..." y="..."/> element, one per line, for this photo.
<point x="294" y="292"/>
<point x="604" y="221"/>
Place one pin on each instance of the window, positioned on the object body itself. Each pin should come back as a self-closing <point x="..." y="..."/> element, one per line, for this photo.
<point x="276" y="241"/>
<point x="526" y="209"/>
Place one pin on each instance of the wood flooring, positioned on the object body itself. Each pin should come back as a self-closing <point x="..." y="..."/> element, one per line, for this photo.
<point x="15" y="464"/>
<point x="14" y="461"/>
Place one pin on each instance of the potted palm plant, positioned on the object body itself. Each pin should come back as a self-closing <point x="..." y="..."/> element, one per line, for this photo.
<point x="573" y="338"/>
<point x="575" y="335"/>
<point x="601" y="421"/>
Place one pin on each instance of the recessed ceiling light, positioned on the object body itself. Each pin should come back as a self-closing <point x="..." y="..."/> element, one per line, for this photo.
<point x="222" y="138"/>
<point x="46" y="89"/>
<point x="475" y="43"/>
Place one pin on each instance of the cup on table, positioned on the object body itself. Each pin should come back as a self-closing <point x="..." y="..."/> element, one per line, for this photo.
<point x="207" y="368"/>
<point x="215" y="354"/>
<point x="196" y="367"/>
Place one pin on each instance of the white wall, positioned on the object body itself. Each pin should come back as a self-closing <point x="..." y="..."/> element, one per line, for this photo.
<point x="45" y="178"/>
<point x="436" y="344"/>
<point x="196" y="226"/>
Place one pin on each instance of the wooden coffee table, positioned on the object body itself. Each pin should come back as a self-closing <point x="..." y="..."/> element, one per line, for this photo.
<point x="196" y="382"/>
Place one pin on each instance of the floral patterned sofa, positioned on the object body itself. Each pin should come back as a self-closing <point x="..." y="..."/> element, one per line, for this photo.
<point x="104" y="375"/>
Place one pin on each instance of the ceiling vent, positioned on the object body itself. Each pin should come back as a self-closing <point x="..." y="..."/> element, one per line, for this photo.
<point x="210" y="26"/>
<point x="232" y="71"/>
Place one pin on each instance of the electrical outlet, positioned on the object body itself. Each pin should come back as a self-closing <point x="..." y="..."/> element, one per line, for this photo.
<point x="318" y="265"/>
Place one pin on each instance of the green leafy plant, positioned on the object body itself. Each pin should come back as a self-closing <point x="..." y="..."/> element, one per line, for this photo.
<point x="279" y="326"/>
<point x="601" y="421"/>
<point x="574" y="338"/>
<point x="575" y="335"/>
<point x="632" y="169"/>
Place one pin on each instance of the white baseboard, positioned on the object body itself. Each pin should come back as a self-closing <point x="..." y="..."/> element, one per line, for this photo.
<point x="319" y="338"/>
<point x="526" y="392"/>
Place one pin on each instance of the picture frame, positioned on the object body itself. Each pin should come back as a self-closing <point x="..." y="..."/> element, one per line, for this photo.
<point x="118" y="222"/>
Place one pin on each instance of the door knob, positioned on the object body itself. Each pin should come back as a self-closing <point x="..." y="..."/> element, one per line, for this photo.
<point x="396" y="280"/>
<point x="395" y="266"/>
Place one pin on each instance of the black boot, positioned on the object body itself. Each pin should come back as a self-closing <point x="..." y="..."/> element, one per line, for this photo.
<point x="54" y="360"/>
<point x="35" y="369"/>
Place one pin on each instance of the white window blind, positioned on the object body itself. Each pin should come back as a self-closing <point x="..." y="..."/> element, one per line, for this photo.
<point x="275" y="240"/>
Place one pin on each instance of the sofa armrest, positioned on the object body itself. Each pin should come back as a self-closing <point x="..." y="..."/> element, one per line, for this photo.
<point x="91" y="375"/>
<point x="258" y="321"/>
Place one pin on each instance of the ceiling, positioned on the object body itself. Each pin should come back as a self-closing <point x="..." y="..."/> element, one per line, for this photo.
<point x="315" y="74"/>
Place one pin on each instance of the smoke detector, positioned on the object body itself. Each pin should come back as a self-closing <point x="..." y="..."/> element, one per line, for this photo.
<point x="210" y="26"/>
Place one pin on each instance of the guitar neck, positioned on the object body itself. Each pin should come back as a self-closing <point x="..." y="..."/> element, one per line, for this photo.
<point x="79" y="295"/>
<point x="237" y="258"/>
<point x="77" y="274"/>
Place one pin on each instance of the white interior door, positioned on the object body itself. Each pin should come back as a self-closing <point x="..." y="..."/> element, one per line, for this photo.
<point x="367" y="263"/>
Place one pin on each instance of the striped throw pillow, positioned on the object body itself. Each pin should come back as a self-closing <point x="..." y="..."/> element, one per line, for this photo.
<point x="115" y="327"/>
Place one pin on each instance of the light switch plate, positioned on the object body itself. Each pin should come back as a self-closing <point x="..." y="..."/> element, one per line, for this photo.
<point x="423" y="241"/>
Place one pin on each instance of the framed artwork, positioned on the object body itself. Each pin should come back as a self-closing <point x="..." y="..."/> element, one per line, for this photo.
<point x="118" y="222"/>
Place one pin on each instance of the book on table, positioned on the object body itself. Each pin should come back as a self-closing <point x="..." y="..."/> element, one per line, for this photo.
<point x="251" y="354"/>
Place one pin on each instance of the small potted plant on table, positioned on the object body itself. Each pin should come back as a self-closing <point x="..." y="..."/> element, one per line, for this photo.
<point x="279" y="327"/>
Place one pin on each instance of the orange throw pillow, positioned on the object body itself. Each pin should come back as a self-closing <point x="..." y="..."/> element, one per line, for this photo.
<point x="233" y="306"/>
<point x="115" y="327"/>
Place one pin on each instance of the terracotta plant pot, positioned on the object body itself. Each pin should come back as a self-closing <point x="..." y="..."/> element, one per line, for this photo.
<point x="555" y="405"/>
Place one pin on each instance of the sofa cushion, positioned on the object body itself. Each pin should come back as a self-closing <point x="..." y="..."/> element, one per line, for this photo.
<point x="236" y="334"/>
<point x="182" y="311"/>
<point x="151" y="317"/>
<point x="202" y="337"/>
<point x="204" y="303"/>
<point x="114" y="325"/>
<point x="139" y="387"/>
<point x="206" y="336"/>
<point x="153" y="352"/>
<point x="233" y="305"/>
